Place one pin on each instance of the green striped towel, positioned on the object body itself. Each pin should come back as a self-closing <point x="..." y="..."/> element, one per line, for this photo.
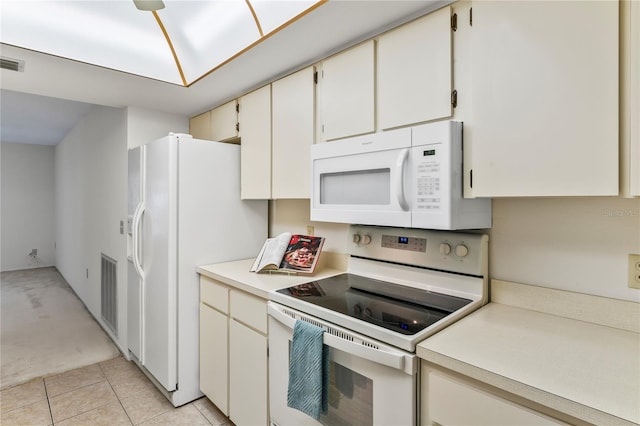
<point x="308" y="370"/>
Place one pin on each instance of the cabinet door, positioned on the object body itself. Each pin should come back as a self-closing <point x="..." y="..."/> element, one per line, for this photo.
<point x="347" y="92"/>
<point x="200" y="126"/>
<point x="634" y="94"/>
<point x="451" y="402"/>
<point x="545" y="98"/>
<point x="248" y="376"/>
<point x="414" y="71"/>
<point x="255" y="144"/>
<point x="214" y="358"/>
<point x="224" y="121"/>
<point x="293" y="100"/>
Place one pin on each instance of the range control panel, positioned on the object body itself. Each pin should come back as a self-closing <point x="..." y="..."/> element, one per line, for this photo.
<point x="404" y="243"/>
<point x="454" y="251"/>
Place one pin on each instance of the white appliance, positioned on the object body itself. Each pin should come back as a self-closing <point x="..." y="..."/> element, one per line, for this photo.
<point x="410" y="177"/>
<point x="401" y="286"/>
<point x="184" y="210"/>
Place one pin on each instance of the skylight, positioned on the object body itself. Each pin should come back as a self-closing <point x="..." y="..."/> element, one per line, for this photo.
<point x="179" y="44"/>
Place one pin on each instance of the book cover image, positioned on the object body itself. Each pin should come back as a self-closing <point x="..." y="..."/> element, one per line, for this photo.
<point x="301" y="253"/>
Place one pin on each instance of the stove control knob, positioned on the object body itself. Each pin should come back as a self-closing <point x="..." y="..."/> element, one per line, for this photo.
<point x="356" y="238"/>
<point x="445" y="248"/>
<point x="366" y="240"/>
<point x="461" y="250"/>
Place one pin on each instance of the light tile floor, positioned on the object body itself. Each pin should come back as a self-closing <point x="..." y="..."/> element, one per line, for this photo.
<point x="113" y="392"/>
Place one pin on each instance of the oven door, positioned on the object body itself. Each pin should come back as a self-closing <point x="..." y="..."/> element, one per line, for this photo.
<point x="369" y="383"/>
<point x="362" y="180"/>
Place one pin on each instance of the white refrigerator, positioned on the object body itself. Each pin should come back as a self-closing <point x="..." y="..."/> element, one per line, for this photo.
<point x="184" y="211"/>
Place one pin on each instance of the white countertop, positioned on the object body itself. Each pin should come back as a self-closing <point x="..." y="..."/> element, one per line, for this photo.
<point x="586" y="370"/>
<point x="236" y="274"/>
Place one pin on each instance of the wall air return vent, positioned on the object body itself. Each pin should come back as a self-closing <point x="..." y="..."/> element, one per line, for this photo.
<point x="109" y="292"/>
<point x="11" y="64"/>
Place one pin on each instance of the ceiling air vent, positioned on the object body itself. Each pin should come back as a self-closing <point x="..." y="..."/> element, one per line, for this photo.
<point x="11" y="64"/>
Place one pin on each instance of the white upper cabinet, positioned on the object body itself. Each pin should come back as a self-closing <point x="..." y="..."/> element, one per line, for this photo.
<point x="346" y="92"/>
<point x="414" y="71"/>
<point x="200" y="126"/>
<point x="634" y="97"/>
<point x="255" y="144"/>
<point x="224" y="122"/>
<point x="293" y="99"/>
<point x="545" y="98"/>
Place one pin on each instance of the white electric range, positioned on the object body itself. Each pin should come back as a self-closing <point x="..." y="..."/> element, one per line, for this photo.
<point x="402" y="285"/>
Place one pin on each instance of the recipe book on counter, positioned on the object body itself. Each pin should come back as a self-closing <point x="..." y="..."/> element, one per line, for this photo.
<point x="289" y="253"/>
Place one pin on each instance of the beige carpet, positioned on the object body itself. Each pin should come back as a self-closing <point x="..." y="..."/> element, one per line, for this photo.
<point x="44" y="327"/>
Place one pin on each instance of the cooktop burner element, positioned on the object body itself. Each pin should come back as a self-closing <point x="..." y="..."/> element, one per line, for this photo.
<point x="395" y="307"/>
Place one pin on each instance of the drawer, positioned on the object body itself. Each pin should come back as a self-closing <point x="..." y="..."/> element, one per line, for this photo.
<point x="249" y="310"/>
<point x="214" y="294"/>
<point x="453" y="402"/>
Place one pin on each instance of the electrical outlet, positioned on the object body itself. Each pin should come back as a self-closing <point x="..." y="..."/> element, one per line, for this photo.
<point x="634" y="271"/>
<point x="310" y="229"/>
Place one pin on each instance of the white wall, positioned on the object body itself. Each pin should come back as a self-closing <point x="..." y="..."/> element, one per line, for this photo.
<point x="575" y="244"/>
<point x="144" y="125"/>
<point x="27" y="206"/>
<point x="293" y="216"/>
<point x="91" y="193"/>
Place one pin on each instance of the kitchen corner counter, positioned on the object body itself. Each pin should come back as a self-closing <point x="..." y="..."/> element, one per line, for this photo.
<point x="236" y="274"/>
<point x="588" y="371"/>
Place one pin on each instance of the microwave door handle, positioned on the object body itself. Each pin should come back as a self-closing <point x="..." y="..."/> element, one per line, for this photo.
<point x="400" y="165"/>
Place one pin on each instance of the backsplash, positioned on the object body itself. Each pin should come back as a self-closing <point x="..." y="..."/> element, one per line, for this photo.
<point x="573" y="244"/>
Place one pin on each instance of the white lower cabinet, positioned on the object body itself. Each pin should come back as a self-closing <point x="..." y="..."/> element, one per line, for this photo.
<point x="214" y="357"/>
<point x="248" y="375"/>
<point x="233" y="352"/>
<point x="448" y="400"/>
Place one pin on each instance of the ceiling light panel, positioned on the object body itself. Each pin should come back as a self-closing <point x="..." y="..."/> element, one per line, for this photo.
<point x="206" y="34"/>
<point x="115" y="34"/>
<point x="111" y="34"/>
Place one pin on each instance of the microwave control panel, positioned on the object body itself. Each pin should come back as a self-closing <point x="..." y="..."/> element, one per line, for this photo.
<point x="428" y="178"/>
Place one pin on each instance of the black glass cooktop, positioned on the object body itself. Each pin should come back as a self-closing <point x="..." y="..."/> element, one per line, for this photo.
<point x="399" y="308"/>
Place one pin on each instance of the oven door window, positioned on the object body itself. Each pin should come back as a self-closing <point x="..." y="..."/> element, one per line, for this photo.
<point x="350" y="397"/>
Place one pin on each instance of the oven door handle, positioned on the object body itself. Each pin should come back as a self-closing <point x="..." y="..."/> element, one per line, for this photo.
<point x="380" y="355"/>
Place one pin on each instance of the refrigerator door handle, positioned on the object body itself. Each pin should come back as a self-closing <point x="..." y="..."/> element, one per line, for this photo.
<point x="137" y="265"/>
<point x="137" y="220"/>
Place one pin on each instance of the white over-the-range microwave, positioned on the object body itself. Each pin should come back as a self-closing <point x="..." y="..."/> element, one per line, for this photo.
<point x="409" y="177"/>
